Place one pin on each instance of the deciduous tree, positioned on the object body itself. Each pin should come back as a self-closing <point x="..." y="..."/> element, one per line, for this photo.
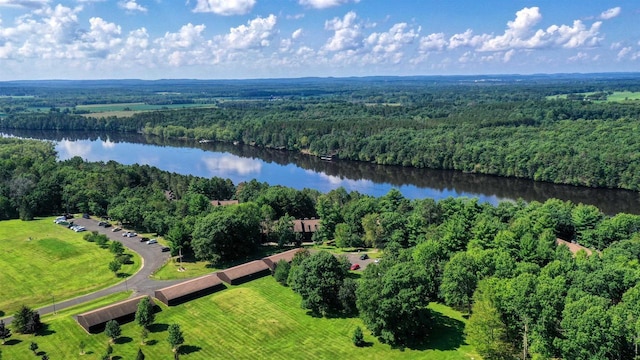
<point x="176" y="338"/>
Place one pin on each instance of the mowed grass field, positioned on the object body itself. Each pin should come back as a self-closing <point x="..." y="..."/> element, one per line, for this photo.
<point x="42" y="261"/>
<point x="129" y="109"/>
<point x="257" y="320"/>
<point x="617" y="96"/>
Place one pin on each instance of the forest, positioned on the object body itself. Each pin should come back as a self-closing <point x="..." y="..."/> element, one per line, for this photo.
<point x="524" y="294"/>
<point x="558" y="129"/>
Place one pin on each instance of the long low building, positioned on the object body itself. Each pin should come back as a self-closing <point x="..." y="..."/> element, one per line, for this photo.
<point x="287" y="256"/>
<point x="124" y="311"/>
<point x="189" y="290"/>
<point x="245" y="272"/>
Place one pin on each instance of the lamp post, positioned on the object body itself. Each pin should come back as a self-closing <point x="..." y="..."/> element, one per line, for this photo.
<point x="53" y="299"/>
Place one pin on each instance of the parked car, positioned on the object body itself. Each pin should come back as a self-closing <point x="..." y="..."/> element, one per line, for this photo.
<point x="152" y="241"/>
<point x="144" y="239"/>
<point x="103" y="223"/>
<point x="364" y="257"/>
<point x="86" y="216"/>
<point x="116" y="229"/>
<point x="165" y="249"/>
<point x="79" y="229"/>
<point x="355" y="267"/>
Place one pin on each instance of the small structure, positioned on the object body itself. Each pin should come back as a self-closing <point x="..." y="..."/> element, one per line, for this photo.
<point x="245" y="272"/>
<point x="573" y="247"/>
<point x="287" y="256"/>
<point x="124" y="311"/>
<point x="189" y="290"/>
<point x="224" y="202"/>
<point x="306" y="227"/>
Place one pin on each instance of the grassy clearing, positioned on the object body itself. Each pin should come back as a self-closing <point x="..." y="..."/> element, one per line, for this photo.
<point x="617" y="96"/>
<point x="42" y="260"/>
<point x="62" y="336"/>
<point x="257" y="320"/>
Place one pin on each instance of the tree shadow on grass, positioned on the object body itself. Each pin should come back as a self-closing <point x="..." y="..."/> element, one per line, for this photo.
<point x="12" y="342"/>
<point x="123" y="275"/>
<point x="45" y="330"/>
<point x="156" y="328"/>
<point x="123" y="340"/>
<point x="41" y="353"/>
<point x="151" y="342"/>
<point x="445" y="334"/>
<point x="188" y="349"/>
<point x="1" y="313"/>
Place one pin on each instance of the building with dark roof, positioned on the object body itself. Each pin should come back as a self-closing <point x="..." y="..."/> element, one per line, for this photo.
<point x="245" y="272"/>
<point x="287" y="256"/>
<point x="189" y="290"/>
<point x="124" y="311"/>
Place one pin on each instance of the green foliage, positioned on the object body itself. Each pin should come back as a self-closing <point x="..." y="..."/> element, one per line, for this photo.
<point x="392" y="301"/>
<point x="33" y="347"/>
<point x="26" y="321"/>
<point x="116" y="248"/>
<point x="145" y="315"/>
<point x="459" y="280"/>
<point x="227" y="233"/>
<point x="115" y="266"/>
<point x="357" y="338"/>
<point x="5" y="332"/>
<point x="176" y="338"/>
<point x="281" y="273"/>
<point x="112" y="330"/>
<point x="318" y="279"/>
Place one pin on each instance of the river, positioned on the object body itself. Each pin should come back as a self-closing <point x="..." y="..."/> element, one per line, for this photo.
<point x="242" y="163"/>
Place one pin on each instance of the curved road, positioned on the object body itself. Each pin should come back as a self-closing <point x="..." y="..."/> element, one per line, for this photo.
<point x="141" y="283"/>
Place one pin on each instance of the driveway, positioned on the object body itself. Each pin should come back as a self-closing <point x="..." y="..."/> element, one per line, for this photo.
<point x="141" y="283"/>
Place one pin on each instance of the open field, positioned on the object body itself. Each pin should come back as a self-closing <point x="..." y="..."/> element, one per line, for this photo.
<point x="617" y="96"/>
<point x="257" y="320"/>
<point x="43" y="262"/>
<point x="129" y="109"/>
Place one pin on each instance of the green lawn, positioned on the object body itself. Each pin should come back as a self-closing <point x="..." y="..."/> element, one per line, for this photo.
<point x="42" y="261"/>
<point x="617" y="96"/>
<point x="257" y="320"/>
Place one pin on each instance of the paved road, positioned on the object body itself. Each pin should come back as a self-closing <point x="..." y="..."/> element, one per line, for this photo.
<point x="141" y="283"/>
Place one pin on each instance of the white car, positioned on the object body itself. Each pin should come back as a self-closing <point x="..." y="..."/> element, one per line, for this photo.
<point x="152" y="241"/>
<point x="79" y="229"/>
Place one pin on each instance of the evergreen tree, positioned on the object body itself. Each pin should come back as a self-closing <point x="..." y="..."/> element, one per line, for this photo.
<point x="5" y="332"/>
<point x="33" y="347"/>
<point x="357" y="338"/>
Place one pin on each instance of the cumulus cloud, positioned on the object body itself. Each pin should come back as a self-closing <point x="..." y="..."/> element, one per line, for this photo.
<point x="224" y="7"/>
<point x="323" y="4"/>
<point x="131" y="6"/>
<point x="433" y="42"/>
<point x="610" y="14"/>
<point x="347" y="34"/>
<point x="257" y="33"/>
<point x="624" y="52"/>
<point x="387" y="46"/>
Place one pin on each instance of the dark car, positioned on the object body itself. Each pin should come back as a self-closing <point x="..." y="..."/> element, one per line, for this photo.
<point x="104" y="224"/>
<point x="144" y="239"/>
<point x="86" y="216"/>
<point x="165" y="249"/>
<point x="364" y="257"/>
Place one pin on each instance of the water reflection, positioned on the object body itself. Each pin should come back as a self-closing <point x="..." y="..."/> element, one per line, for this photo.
<point x="243" y="163"/>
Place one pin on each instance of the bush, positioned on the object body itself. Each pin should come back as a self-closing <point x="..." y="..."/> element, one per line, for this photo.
<point x="281" y="272"/>
<point x="358" y="337"/>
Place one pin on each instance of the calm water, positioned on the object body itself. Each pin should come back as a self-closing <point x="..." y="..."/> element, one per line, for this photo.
<point x="242" y="163"/>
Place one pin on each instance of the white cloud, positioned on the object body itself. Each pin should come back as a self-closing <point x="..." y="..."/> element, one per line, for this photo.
<point x="610" y="14"/>
<point x="296" y="34"/>
<point x="32" y="4"/>
<point x="102" y="38"/>
<point x="323" y="4"/>
<point x="624" y="52"/>
<point x="257" y="33"/>
<point x="466" y="39"/>
<point x="224" y="7"/>
<point x="520" y="34"/>
<point x="347" y="33"/>
<point x="131" y="6"/>
<point x="387" y="46"/>
<point x="432" y="42"/>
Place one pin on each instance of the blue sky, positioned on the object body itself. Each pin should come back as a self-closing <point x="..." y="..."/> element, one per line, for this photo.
<point x="222" y="39"/>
